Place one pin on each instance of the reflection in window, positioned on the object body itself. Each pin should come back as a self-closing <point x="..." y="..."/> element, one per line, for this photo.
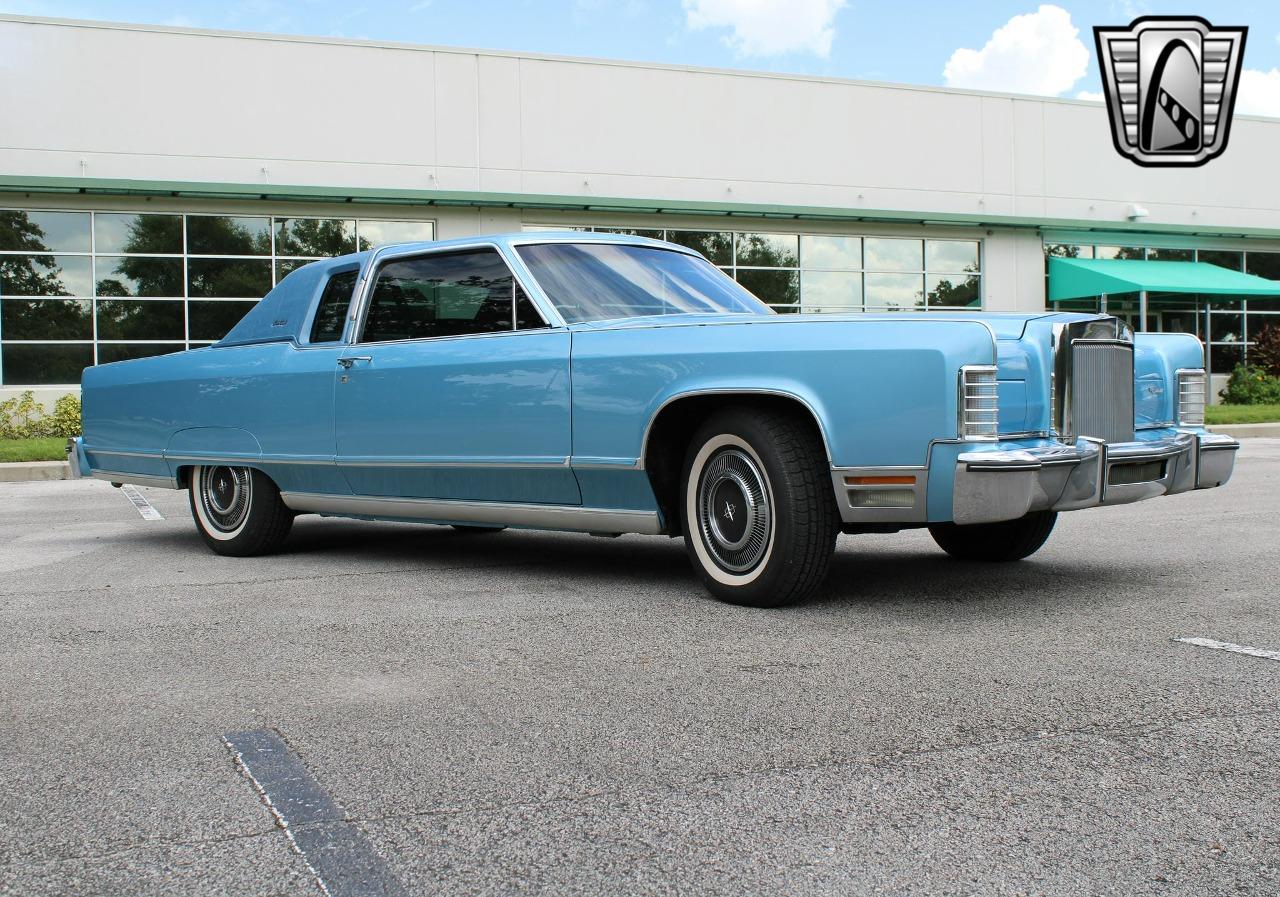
<point x="453" y="294"/>
<point x="124" y="232"/>
<point x="44" y="231"/>
<point x="331" y="314"/>
<point x="772" y="287"/>
<point x="1222" y="258"/>
<point x="830" y="253"/>
<point x="715" y="245"/>
<point x="894" y="292"/>
<point x="228" y="235"/>
<point x="952" y="290"/>
<point x="1171" y="255"/>
<point x="211" y="320"/>
<point x="831" y="291"/>
<point x="382" y="233"/>
<point x="108" y="352"/>
<point x="951" y="255"/>
<point x="317" y="237"/>
<point x="892" y="254"/>
<point x="228" y="278"/>
<point x="140" y="319"/>
<point x="44" y="364"/>
<point x="46" y="319"/>
<point x="45" y="275"/>
<point x="767" y="250"/>
<point x="1263" y="264"/>
<point x="139" y="276"/>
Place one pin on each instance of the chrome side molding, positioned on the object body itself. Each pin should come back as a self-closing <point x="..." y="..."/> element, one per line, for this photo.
<point x="434" y="510"/>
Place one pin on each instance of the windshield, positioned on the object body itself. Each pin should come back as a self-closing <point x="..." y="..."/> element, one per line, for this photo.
<point x="602" y="281"/>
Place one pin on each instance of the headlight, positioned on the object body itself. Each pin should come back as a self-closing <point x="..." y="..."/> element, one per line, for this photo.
<point x="1192" y="392"/>
<point x="979" y="406"/>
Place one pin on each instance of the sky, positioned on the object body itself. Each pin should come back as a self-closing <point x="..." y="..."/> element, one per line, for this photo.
<point x="1020" y="47"/>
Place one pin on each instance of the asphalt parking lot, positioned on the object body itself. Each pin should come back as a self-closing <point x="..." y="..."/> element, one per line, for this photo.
<point x="544" y="713"/>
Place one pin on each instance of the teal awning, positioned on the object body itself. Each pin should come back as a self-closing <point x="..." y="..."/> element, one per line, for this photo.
<point x="1078" y="278"/>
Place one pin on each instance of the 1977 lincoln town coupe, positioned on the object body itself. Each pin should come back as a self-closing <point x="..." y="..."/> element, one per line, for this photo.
<point x="611" y="384"/>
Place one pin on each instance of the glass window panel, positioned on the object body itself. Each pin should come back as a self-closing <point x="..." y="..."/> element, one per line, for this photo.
<point x="324" y="237"/>
<point x="830" y="253"/>
<point x="1084" y="305"/>
<point x="44" y="231"/>
<point x="228" y="235"/>
<point x="46" y="319"/>
<point x="133" y="275"/>
<point x="1223" y="258"/>
<point x="772" y="287"/>
<point x="1119" y="252"/>
<point x="952" y="291"/>
<point x="1226" y="327"/>
<point x="630" y="232"/>
<point x="212" y="320"/>
<point x="894" y="291"/>
<point x="527" y="316"/>
<point x="379" y="233"/>
<point x="109" y="352"/>
<point x="768" y="250"/>
<point x="1222" y="359"/>
<point x="951" y="255"/>
<point x="228" y="278"/>
<point x="787" y="309"/>
<point x="37" y="365"/>
<point x="1263" y="303"/>
<point x="820" y="290"/>
<point x="46" y="275"/>
<point x="1263" y="264"/>
<point x="717" y="246"/>
<point x="123" y="232"/>
<point x="285" y="267"/>
<point x="452" y="294"/>
<point x="331" y="314"/>
<point x="1068" y="251"/>
<point x="140" y="319"/>
<point x="883" y="254"/>
<point x="1170" y="255"/>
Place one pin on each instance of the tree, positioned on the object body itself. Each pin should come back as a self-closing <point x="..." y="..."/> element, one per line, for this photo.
<point x="1265" y="351"/>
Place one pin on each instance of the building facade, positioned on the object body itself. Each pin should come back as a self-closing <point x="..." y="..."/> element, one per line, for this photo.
<point x="148" y="221"/>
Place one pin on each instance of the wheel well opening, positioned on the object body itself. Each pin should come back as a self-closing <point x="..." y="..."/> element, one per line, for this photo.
<point x="672" y="431"/>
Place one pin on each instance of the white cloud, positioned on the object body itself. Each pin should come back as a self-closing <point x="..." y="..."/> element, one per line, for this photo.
<point x="1259" y="92"/>
<point x="1039" y="53"/>
<point x="769" y="27"/>
<point x="1094" y="95"/>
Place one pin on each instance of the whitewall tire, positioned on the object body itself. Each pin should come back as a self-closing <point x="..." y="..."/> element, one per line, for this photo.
<point x="238" y="510"/>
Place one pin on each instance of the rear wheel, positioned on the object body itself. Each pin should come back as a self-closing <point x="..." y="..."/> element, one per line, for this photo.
<point x="238" y="511"/>
<point x="1008" y="540"/>
<point x="759" y="518"/>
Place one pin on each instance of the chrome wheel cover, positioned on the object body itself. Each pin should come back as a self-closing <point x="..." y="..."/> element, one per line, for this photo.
<point x="733" y="510"/>
<point x="225" y="496"/>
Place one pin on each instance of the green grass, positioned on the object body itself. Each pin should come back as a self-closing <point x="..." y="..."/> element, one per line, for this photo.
<point x="53" y="448"/>
<point x="1242" y="414"/>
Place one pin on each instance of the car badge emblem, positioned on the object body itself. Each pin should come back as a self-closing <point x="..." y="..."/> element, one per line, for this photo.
<point x="728" y="511"/>
<point x="1170" y="83"/>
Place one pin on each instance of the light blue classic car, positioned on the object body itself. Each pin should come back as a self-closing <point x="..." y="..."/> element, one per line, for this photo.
<point x="611" y="384"/>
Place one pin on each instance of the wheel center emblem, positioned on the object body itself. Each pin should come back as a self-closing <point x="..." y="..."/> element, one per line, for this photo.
<point x="729" y="511"/>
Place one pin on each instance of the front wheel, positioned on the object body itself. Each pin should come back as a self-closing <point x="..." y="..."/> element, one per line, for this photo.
<point x="759" y="519"/>
<point x="1008" y="540"/>
<point x="238" y="511"/>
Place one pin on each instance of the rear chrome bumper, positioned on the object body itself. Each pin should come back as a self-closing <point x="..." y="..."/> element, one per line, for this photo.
<point x="1004" y="485"/>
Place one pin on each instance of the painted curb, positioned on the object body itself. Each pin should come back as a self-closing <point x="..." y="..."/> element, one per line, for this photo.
<point x="31" y="471"/>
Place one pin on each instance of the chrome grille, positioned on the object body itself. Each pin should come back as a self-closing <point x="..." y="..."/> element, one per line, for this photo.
<point x="1102" y="389"/>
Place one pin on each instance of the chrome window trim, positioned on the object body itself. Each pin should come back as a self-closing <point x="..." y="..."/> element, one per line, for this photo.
<point x="386" y="254"/>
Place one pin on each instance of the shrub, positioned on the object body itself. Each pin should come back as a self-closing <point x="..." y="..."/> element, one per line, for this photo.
<point x="23" y="417"/>
<point x="1251" y="385"/>
<point x="1265" y="351"/>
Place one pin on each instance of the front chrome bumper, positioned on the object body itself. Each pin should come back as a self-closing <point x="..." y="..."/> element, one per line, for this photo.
<point x="1005" y="485"/>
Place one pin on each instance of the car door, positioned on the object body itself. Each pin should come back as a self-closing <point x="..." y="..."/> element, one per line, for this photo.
<point x="454" y="387"/>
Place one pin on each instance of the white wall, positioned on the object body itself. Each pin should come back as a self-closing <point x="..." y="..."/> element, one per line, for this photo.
<point x="146" y="103"/>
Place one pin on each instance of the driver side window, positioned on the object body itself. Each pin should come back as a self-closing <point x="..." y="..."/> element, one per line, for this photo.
<point x="446" y="294"/>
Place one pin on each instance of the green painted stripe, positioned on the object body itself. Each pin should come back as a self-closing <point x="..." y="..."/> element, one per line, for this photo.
<point x="299" y="193"/>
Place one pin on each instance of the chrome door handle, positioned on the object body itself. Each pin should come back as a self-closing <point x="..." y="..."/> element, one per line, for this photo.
<point x="352" y="359"/>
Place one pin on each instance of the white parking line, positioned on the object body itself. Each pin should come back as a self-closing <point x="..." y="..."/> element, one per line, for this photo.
<point x="1227" y="646"/>
<point x="145" y="510"/>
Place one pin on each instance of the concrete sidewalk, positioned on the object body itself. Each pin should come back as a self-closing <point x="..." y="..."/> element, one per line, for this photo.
<point x="28" y="471"/>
